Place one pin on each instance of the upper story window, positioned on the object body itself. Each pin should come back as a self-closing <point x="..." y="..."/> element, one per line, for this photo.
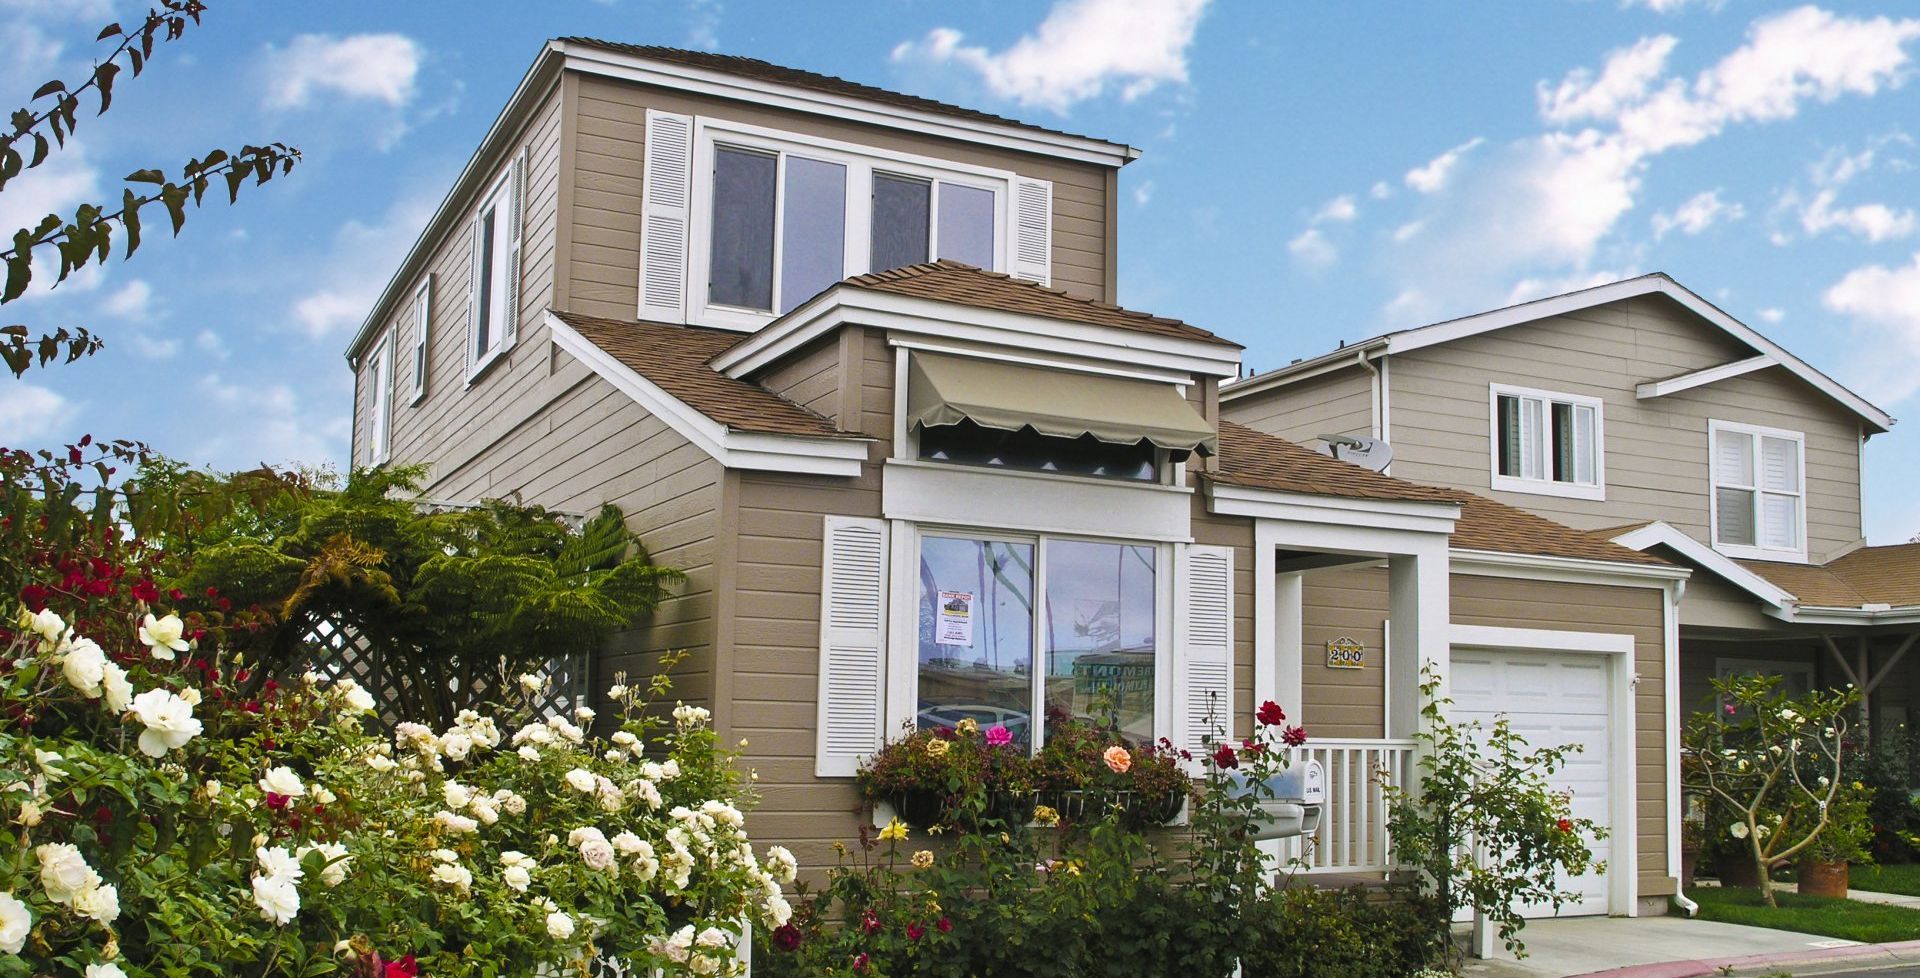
<point x="741" y="224"/>
<point x="1758" y="505"/>
<point x="380" y="406"/>
<point x="1547" y="443"/>
<point x="494" y="289"/>
<point x="422" y="324"/>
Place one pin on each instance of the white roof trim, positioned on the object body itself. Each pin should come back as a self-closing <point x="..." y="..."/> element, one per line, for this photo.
<point x="1350" y="355"/>
<point x="1417" y="515"/>
<point x="1580" y="570"/>
<point x="732" y="448"/>
<point x="1698" y="378"/>
<point x="1661" y="534"/>
<point x="706" y="81"/>
<point x="945" y="320"/>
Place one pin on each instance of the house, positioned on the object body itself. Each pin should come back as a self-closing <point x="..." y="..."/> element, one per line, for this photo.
<point x="1649" y="416"/>
<point x="851" y="359"/>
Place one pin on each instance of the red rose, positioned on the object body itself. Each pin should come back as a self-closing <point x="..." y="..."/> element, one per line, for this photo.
<point x="869" y="921"/>
<point x="860" y="961"/>
<point x="787" y="937"/>
<point x="1271" y="714"/>
<point x="945" y="925"/>
<point x="406" y="967"/>
<point x="177" y="595"/>
<point x="276" y="802"/>
<point x="1225" y="757"/>
<point x="915" y="931"/>
<point x="1564" y="825"/>
<point x="1294" y="736"/>
<point x="35" y="596"/>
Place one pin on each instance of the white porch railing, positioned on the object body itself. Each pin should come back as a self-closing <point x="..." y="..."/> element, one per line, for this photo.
<point x="1352" y="837"/>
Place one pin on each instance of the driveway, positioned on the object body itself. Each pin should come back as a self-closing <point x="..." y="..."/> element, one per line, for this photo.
<point x="1583" y="945"/>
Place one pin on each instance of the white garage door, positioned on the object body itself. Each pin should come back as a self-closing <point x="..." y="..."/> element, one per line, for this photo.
<point x="1553" y="699"/>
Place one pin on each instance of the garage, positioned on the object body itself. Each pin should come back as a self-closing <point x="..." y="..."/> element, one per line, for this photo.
<point x="1552" y="698"/>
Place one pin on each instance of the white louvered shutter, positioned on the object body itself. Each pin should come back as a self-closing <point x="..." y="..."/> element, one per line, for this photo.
<point x="853" y="621"/>
<point x="1032" y="230"/>
<point x="665" y="216"/>
<point x="1203" y="662"/>
<point x="516" y="192"/>
<point x="475" y="271"/>
<point x="1780" y="504"/>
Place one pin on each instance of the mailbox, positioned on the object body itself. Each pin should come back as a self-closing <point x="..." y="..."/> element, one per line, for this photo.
<point x="1292" y="804"/>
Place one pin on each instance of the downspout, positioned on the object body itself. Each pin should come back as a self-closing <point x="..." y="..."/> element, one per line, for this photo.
<point x="1676" y="800"/>
<point x="1379" y="393"/>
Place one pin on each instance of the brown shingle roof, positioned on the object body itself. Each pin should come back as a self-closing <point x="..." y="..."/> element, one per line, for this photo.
<point x="1870" y="575"/>
<point x="675" y="358"/>
<point x="812" y="81"/>
<point x="952" y="281"/>
<point x="1257" y="460"/>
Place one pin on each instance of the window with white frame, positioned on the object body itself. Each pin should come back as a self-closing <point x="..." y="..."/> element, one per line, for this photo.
<point x="380" y="400"/>
<point x="784" y="218"/>
<point x="1758" y="504"/>
<point x="494" y="288"/>
<point x="1014" y="627"/>
<point x="1547" y="443"/>
<point x="422" y="323"/>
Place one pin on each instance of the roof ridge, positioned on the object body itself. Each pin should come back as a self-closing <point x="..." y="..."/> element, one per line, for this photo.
<point x="920" y="270"/>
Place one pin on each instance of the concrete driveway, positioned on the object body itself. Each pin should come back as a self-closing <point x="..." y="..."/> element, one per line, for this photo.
<point x="1583" y="945"/>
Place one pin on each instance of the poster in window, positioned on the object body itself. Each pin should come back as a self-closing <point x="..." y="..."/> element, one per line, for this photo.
<point x="955" y="624"/>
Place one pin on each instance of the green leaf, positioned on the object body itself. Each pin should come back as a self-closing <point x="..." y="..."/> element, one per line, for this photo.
<point x="175" y="199"/>
<point x="111" y="30"/>
<point x="103" y="80"/>
<point x="49" y="88"/>
<point x="146" y="176"/>
<point x="130" y="219"/>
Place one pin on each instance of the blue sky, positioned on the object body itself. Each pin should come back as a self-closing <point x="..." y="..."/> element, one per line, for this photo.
<point x="1311" y="172"/>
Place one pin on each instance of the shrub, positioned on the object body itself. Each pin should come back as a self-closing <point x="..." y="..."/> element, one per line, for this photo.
<point x="1304" y="933"/>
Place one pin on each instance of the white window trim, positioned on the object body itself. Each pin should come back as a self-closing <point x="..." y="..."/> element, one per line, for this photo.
<point x="861" y="163"/>
<point x="380" y="421"/>
<point x="1756" y="552"/>
<point x="902" y="703"/>
<point x="500" y="194"/>
<point x="422" y="331"/>
<point x="1547" y="487"/>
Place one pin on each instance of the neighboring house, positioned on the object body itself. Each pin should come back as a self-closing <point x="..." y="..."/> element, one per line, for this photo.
<point x="1646" y="414"/>
<point x="849" y="359"/>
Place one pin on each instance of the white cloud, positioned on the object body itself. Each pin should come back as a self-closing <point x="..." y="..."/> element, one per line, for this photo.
<point x="209" y="342"/>
<point x="1884" y="304"/>
<point x="31" y="413"/>
<point x="360" y="260"/>
<point x="1700" y="212"/>
<point x="1771" y="315"/>
<point x="1381" y="190"/>
<point x="374" y="67"/>
<point x="1673" y="6"/>
<point x="1313" y="249"/>
<point x="1623" y="80"/>
<point x="1818" y="212"/>
<point x="703" y="25"/>
<point x="1142" y="193"/>
<point x="153" y="347"/>
<point x="67" y="179"/>
<point x="1340" y="210"/>
<point x="1081" y="47"/>
<point x="132" y="301"/>
<point x="1433" y="176"/>
<point x="267" y="423"/>
<point x="1408" y="231"/>
<point x="1529" y="289"/>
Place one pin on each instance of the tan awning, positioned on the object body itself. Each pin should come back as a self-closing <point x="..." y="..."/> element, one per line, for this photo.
<point x="948" y="390"/>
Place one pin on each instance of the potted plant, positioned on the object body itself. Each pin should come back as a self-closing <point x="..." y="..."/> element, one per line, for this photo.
<point x="1084" y="771"/>
<point x="953" y="777"/>
<point x="1845" y="840"/>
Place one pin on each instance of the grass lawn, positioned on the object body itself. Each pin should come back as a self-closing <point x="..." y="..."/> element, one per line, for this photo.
<point x="1899" y="878"/>
<point x="1847" y="919"/>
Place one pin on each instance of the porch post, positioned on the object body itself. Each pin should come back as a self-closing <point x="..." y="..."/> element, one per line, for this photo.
<point x="1419" y="617"/>
<point x="1288" y="619"/>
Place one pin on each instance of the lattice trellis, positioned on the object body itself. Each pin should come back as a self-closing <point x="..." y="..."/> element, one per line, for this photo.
<point x="336" y="649"/>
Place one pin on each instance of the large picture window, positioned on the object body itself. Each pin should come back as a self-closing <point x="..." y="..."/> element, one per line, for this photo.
<point x="1089" y="609"/>
<point x="1547" y="443"/>
<point x="1759" y="490"/>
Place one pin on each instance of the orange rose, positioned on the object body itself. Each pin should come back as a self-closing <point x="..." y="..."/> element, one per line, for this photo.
<point x="1118" y="760"/>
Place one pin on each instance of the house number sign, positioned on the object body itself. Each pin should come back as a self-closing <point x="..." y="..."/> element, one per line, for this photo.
<point x="1345" y="653"/>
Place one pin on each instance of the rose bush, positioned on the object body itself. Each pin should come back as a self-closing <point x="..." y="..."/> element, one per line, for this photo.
<point x="155" y="820"/>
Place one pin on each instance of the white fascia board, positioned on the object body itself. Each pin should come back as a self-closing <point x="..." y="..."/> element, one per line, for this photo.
<point x="1447" y="332"/>
<point x="953" y="321"/>
<point x="1698" y="378"/>
<point x="636" y="68"/>
<point x="1801" y="615"/>
<point x="1661" y="534"/>
<point x="1566" y="570"/>
<point x="1541" y="639"/>
<point x="1347" y="356"/>
<point x="734" y="449"/>
<point x="1417" y="516"/>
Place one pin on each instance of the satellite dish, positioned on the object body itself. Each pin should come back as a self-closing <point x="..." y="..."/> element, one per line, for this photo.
<point x="1372" y="454"/>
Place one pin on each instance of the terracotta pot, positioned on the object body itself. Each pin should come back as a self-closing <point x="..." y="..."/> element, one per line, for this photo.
<point x="1823" y="879"/>
<point x="1689" y="862"/>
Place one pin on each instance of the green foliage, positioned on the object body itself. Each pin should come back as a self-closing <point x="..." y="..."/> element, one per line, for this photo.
<point x="460" y="599"/>
<point x="87" y="237"/>
<point x="1772" y="767"/>
<point x="1888" y="769"/>
<point x="1851" y="920"/>
<point x="1486" y="788"/>
<point x="1307" y="933"/>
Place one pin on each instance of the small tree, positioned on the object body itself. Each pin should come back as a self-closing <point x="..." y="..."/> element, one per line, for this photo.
<point x="1486" y="789"/>
<point x="1772" y="762"/>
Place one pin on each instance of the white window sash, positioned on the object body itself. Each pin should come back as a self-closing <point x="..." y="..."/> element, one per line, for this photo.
<point x="1778" y="511"/>
<point x="1535" y="456"/>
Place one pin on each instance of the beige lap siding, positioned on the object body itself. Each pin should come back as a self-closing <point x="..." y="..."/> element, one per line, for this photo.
<point x="1510" y="603"/>
<point x="1343" y="603"/>
<point x="1339" y="403"/>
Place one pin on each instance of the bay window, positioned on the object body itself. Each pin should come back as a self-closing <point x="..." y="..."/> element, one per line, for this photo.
<point x="1546" y="443"/>
<point x="1013" y="628"/>
<point x="1758" y="503"/>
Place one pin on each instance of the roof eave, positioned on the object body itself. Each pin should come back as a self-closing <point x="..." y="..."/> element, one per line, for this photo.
<point x="1345" y="356"/>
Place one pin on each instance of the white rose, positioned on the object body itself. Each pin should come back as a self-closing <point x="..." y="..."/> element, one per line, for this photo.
<point x="335" y="871"/>
<point x="277" y="897"/>
<point x="582" y="780"/>
<point x="15" y="923"/>
<point x="114" y="686"/>
<point x="454" y="875"/>
<point x="531" y="683"/>
<point x="669" y="770"/>
<point x="282" y="781"/>
<point x="623" y="738"/>
<point x="84" y="665"/>
<point x="457" y="824"/>
<point x="597" y="854"/>
<point x="168" y="719"/>
<point x="510" y="803"/>
<point x="628" y="843"/>
<point x="559" y="926"/>
<point x="483" y="808"/>
<point x="163" y="636"/>
<point x="646" y="792"/>
<point x="44" y="623"/>
<point x="106" y="969"/>
<point x="278" y="863"/>
<point x="690" y="716"/>
<point x="458" y="795"/>
<point x="1739" y="830"/>
<point x="714" y="937"/>
<point x="616" y="692"/>
<point x="517" y="878"/>
<point x="380" y="762"/>
<point x="779" y="911"/>
<point x="528" y="752"/>
<point x="781" y="864"/>
<point x="583" y="714"/>
<point x="47" y="762"/>
<point x="191" y="695"/>
<point x="64" y="873"/>
<point x="358" y="700"/>
<point x="102" y="903"/>
<point x="321" y="796"/>
<point x="30" y="814"/>
<point x="457" y="744"/>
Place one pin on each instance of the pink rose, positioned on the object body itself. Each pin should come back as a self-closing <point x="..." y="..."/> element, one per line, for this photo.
<point x="998" y="736"/>
<point x="1117" y="758"/>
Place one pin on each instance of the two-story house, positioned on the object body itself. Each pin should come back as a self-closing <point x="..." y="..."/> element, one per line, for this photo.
<point x="850" y="359"/>
<point x="1642" y="412"/>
